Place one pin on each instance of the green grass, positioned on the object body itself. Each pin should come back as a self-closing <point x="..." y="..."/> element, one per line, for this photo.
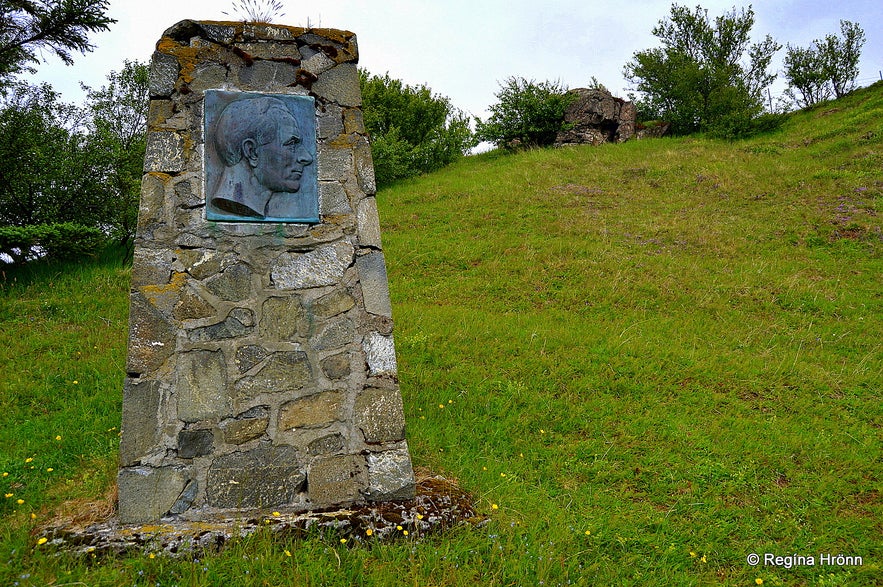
<point x="653" y="358"/>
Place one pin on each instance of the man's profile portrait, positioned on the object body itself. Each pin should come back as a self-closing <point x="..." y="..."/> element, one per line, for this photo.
<point x="260" y="157"/>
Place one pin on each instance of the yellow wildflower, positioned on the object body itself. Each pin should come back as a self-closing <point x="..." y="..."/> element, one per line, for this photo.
<point x="399" y="528"/>
<point x="759" y="581"/>
<point x="151" y="555"/>
<point x="276" y="514"/>
<point x="8" y="495"/>
<point x="405" y="532"/>
<point x="692" y="554"/>
<point x="494" y="506"/>
<point x="703" y="559"/>
<point x="343" y="540"/>
<point x="287" y="553"/>
<point x="76" y="382"/>
<point x="5" y="474"/>
<point x="58" y="437"/>
<point x="42" y="540"/>
<point x="29" y="459"/>
<point x="369" y="532"/>
<point x="20" y="501"/>
<point x="33" y="516"/>
<point x="588" y="532"/>
<point x="419" y="516"/>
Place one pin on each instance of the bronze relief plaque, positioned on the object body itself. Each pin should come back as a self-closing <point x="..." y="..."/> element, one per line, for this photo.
<point x="260" y="157"/>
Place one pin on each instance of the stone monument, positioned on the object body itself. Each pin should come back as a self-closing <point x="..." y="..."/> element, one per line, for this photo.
<point x="261" y="370"/>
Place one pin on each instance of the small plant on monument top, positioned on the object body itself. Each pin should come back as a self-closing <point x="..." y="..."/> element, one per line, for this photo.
<point x="257" y="10"/>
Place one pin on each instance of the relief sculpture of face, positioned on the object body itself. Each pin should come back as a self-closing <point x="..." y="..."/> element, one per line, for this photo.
<point x="281" y="162"/>
<point x="260" y="158"/>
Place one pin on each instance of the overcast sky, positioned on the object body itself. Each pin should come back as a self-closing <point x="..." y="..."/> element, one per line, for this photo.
<point x="463" y="48"/>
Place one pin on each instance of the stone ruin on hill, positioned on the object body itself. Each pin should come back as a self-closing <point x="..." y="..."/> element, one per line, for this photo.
<point x="596" y="116"/>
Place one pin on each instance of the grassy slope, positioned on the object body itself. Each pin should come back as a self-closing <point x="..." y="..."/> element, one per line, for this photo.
<point x="653" y="358"/>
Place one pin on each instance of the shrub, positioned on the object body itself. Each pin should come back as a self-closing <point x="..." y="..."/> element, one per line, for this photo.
<point x="54" y="241"/>
<point x="412" y="130"/>
<point x="528" y="114"/>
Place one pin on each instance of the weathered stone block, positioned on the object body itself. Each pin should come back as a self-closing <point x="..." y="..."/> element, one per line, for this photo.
<point x="151" y="337"/>
<point x="250" y="355"/>
<point x="364" y="167"/>
<point x="268" y="75"/>
<point x="151" y="267"/>
<point x="380" y="354"/>
<point x="165" y="152"/>
<point x="323" y="266"/>
<point x="284" y="371"/>
<point x="330" y="122"/>
<point x="340" y="84"/>
<point x="147" y="494"/>
<point x="233" y="285"/>
<point x="239" y="322"/>
<point x="333" y="304"/>
<point x="241" y="431"/>
<point x="375" y="287"/>
<point x="336" y="366"/>
<point x="336" y="480"/>
<point x="163" y="74"/>
<point x="312" y="411"/>
<point x="282" y="319"/>
<point x="140" y="425"/>
<point x="369" y="224"/>
<point x="335" y="335"/>
<point x="263" y="477"/>
<point x="378" y="413"/>
<point x="195" y="443"/>
<point x="335" y="164"/>
<point x="390" y="476"/>
<point x="192" y="307"/>
<point x="333" y="199"/>
<point x="324" y="445"/>
<point x="186" y="499"/>
<point x="202" y="386"/>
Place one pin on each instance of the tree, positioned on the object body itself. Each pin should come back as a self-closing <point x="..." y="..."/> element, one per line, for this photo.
<point x="840" y="57"/>
<point x="116" y="142"/>
<point x="29" y="27"/>
<point x="412" y="130"/>
<point x="527" y="114"/>
<point x="805" y="73"/>
<point x="707" y="75"/>
<point x="827" y="66"/>
<point x="45" y="175"/>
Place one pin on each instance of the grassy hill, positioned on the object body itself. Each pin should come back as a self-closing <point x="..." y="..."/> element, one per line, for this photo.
<point x="646" y="361"/>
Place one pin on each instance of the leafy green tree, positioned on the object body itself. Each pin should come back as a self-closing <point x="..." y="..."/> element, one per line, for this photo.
<point x="827" y="66"/>
<point x="707" y="75"/>
<point x="116" y="142"/>
<point x="45" y="174"/>
<point x="527" y="114"/>
<point x="412" y="130"/>
<point x="805" y="73"/>
<point x="30" y="27"/>
<point x="840" y="57"/>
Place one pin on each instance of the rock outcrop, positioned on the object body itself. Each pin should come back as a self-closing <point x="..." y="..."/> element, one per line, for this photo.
<point x="595" y="117"/>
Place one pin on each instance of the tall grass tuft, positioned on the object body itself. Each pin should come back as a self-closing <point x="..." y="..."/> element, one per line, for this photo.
<point x="261" y="11"/>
